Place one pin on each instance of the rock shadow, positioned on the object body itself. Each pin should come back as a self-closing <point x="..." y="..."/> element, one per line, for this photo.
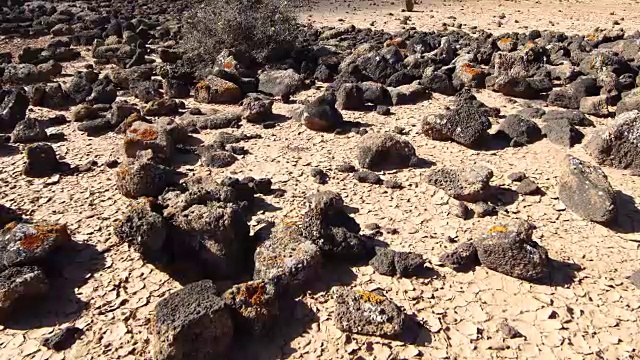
<point x="627" y="219"/>
<point x="8" y="150"/>
<point x="68" y="269"/>
<point x="561" y="273"/>
<point x="492" y="142"/>
<point x="501" y="196"/>
<point x="294" y="319"/>
<point x="333" y="273"/>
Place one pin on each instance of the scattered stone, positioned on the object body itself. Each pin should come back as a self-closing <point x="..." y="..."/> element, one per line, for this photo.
<point x="63" y="339"/>
<point x="29" y="130"/>
<point x="13" y="109"/>
<point x="392" y="184"/>
<point x="257" y="111"/>
<point x="520" y="131"/>
<point x="462" y="258"/>
<point x="27" y="243"/>
<point x="467" y="185"/>
<point x="346" y="168"/>
<point x="141" y="177"/>
<point x="585" y="190"/>
<point x="618" y="145"/>
<point x="465" y="124"/>
<point x="367" y="177"/>
<point x="42" y="161"/>
<point x="517" y="176"/>
<point x="254" y="305"/>
<point x="408" y="264"/>
<point x="321" y="114"/>
<point x="367" y="313"/>
<point x="385" y="152"/>
<point x="319" y="175"/>
<point x="483" y="209"/>
<point x="561" y="132"/>
<point x="574" y="117"/>
<point x="383" y="263"/>
<point x="287" y="258"/>
<point x="509" y="331"/>
<point x="215" y="90"/>
<point x="282" y="83"/>
<point x="509" y="249"/>
<point x="350" y="97"/>
<point x="144" y="230"/>
<point x="527" y="187"/>
<point x="459" y="209"/>
<point x="595" y="105"/>
<point x="192" y="323"/>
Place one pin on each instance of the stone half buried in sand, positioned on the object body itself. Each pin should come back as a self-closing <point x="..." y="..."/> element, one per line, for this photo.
<point x="191" y="323"/>
<point x="367" y="313"/>
<point x="510" y="250"/>
<point x="586" y="191"/>
<point x="27" y="243"/>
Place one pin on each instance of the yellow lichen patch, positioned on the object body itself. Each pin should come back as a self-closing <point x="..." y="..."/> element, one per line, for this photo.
<point x="42" y="233"/>
<point x="370" y="297"/>
<point x="497" y="229"/>
<point x="470" y="69"/>
<point x="289" y="222"/>
<point x="591" y="37"/>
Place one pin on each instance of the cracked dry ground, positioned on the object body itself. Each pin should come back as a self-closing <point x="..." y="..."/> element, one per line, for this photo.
<point x="590" y="312"/>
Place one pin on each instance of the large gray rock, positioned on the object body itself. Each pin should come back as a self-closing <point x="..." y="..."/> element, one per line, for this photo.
<point x="561" y="132"/>
<point x="282" y="83"/>
<point x="465" y="124"/>
<point x="585" y="190"/>
<point x="569" y="97"/>
<point x="287" y="258"/>
<point x="463" y="257"/>
<point x="191" y="323"/>
<point x="367" y="313"/>
<point x="385" y="152"/>
<point x="509" y="249"/>
<point x="468" y="184"/>
<point x="618" y="145"/>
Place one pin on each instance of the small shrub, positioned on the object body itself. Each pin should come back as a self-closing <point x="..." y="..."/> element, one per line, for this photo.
<point x="259" y="28"/>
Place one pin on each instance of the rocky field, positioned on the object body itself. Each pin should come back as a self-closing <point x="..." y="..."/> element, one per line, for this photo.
<point x="397" y="185"/>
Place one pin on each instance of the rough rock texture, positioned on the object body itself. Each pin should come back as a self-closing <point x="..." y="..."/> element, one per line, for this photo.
<point x="462" y="184"/>
<point x="321" y="114"/>
<point x="585" y="190"/>
<point x="618" y="145"/>
<point x="13" y="108"/>
<point x="465" y="124"/>
<point x="520" y="130"/>
<point x="191" y="323"/>
<point x="29" y="243"/>
<point x="42" y="160"/>
<point x="463" y="257"/>
<point x="20" y="283"/>
<point x="144" y="230"/>
<point x="282" y="83"/>
<point x="29" y="130"/>
<point x="254" y="305"/>
<point x="509" y="249"/>
<point x="367" y="313"/>
<point x="385" y="152"/>
<point x="383" y="263"/>
<point x="141" y="177"/>
<point x="217" y="234"/>
<point x="287" y="258"/>
<point x="561" y="132"/>
<point x="215" y="90"/>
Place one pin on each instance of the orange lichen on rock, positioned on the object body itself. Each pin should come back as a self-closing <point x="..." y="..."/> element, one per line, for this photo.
<point x="497" y="229"/>
<point x="147" y="133"/>
<point x="10" y="226"/>
<point x="370" y="297"/>
<point x="466" y="67"/>
<point x="504" y="40"/>
<point x="42" y="233"/>
<point x="591" y="37"/>
<point x="253" y="292"/>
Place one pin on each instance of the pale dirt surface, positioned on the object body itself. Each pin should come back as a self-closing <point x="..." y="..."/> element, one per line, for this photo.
<point x="595" y="315"/>
<point x="496" y="16"/>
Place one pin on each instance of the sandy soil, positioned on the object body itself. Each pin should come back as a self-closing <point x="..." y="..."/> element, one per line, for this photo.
<point x="592" y="312"/>
<point x="571" y="16"/>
